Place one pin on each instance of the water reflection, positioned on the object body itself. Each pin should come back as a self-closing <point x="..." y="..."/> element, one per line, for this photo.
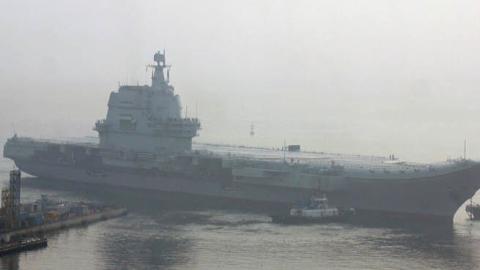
<point x="440" y="248"/>
<point x="10" y="262"/>
<point x="143" y="249"/>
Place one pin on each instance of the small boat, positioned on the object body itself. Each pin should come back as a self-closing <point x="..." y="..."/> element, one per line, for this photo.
<point x="23" y="245"/>
<point x="473" y="210"/>
<point x="317" y="211"/>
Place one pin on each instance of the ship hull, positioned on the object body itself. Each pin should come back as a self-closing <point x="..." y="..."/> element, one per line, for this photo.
<point x="305" y="220"/>
<point x="435" y="198"/>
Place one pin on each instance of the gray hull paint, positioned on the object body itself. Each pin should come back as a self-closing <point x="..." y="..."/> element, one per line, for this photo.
<point x="435" y="198"/>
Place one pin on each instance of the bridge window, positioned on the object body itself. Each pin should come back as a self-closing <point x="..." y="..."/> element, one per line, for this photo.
<point x="127" y="122"/>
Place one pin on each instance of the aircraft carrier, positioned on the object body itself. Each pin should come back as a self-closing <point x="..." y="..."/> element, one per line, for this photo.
<point x="145" y="143"/>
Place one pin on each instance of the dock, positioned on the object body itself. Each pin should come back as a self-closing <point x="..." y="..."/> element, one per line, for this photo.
<point x="68" y="223"/>
<point x="23" y="245"/>
<point x="20" y="224"/>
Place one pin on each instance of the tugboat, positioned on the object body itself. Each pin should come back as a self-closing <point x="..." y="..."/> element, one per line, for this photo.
<point x="473" y="210"/>
<point x="317" y="211"/>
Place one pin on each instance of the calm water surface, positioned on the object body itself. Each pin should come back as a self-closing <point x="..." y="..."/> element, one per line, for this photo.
<point x="157" y="235"/>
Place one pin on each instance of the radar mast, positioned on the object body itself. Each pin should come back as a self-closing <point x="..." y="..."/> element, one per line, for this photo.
<point x="158" y="76"/>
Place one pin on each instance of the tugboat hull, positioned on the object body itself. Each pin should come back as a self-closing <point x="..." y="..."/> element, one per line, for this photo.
<point x="307" y="220"/>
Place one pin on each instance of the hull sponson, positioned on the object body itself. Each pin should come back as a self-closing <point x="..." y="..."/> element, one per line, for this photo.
<point x="439" y="195"/>
<point x="430" y="198"/>
<point x="178" y="184"/>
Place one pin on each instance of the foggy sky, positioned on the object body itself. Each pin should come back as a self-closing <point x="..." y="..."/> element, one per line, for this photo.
<point x="367" y="77"/>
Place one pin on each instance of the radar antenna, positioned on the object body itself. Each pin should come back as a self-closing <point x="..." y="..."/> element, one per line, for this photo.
<point x="158" y="77"/>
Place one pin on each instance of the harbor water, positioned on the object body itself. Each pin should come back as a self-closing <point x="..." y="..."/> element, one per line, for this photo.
<point x="162" y="235"/>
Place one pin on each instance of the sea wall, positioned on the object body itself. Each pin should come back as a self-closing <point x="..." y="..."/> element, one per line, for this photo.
<point x="62" y="224"/>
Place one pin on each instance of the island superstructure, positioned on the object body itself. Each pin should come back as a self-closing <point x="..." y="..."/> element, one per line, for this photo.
<point x="147" y="118"/>
<point x="146" y="144"/>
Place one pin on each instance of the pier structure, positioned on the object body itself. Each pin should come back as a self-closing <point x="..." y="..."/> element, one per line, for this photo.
<point x="10" y="208"/>
<point x="11" y="200"/>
